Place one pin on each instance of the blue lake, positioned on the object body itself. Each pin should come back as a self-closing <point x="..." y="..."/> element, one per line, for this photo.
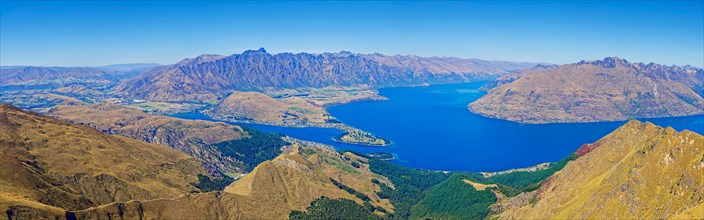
<point x="432" y="128"/>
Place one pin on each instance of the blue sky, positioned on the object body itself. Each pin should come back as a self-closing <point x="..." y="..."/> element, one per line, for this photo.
<point x="81" y="33"/>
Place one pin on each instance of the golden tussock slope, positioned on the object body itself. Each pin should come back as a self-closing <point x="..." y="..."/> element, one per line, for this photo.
<point x="289" y="182"/>
<point x="54" y="169"/>
<point x="194" y="137"/>
<point x="639" y="171"/>
<point x="54" y="165"/>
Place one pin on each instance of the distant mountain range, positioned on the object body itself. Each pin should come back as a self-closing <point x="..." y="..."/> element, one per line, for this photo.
<point x="37" y="75"/>
<point x="611" y="89"/>
<point x="46" y="75"/>
<point x="211" y="77"/>
<point x="129" y="67"/>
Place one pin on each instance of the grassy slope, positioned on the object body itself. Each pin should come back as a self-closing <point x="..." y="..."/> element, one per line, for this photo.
<point x="69" y="166"/>
<point x="638" y="171"/>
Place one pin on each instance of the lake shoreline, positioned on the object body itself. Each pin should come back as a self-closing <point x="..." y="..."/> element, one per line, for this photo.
<point x="432" y="129"/>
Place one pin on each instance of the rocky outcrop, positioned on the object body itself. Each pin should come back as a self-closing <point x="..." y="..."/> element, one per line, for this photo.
<point x="211" y="77"/>
<point x="606" y="90"/>
<point x="638" y="171"/>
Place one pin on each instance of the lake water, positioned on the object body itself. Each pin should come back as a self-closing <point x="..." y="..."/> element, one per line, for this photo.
<point x="432" y="128"/>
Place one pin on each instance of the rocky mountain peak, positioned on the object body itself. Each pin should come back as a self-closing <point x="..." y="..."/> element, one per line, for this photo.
<point x="255" y="69"/>
<point x="260" y="50"/>
<point x="546" y="66"/>
<point x="200" y="59"/>
<point x="607" y="62"/>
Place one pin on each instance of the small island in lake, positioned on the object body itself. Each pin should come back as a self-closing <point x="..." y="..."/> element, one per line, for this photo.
<point x="356" y="136"/>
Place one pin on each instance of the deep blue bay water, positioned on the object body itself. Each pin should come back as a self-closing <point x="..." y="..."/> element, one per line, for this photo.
<point x="431" y="128"/>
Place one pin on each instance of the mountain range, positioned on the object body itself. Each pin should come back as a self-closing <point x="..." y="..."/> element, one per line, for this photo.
<point x="211" y="77"/>
<point x="611" y="89"/>
<point x="38" y="75"/>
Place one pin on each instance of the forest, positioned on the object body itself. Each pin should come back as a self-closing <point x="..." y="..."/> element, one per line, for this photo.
<point x="253" y="150"/>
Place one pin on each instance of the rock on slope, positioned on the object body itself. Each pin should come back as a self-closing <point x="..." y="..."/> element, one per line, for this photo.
<point x="210" y="77"/>
<point x="260" y="108"/>
<point x="639" y="171"/>
<point x="54" y="165"/>
<point x="605" y="90"/>
<point x="194" y="137"/>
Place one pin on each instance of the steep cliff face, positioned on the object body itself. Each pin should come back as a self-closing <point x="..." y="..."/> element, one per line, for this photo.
<point x="213" y="77"/>
<point x="194" y="137"/>
<point x="52" y="165"/>
<point x="606" y="90"/>
<point x="638" y="171"/>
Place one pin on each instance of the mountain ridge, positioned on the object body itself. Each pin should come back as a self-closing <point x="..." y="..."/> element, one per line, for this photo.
<point x="611" y="89"/>
<point x="640" y="170"/>
<point x="211" y="77"/>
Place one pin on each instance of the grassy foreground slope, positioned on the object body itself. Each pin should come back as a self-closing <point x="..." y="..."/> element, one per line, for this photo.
<point x="290" y="182"/>
<point x="53" y="169"/>
<point x="54" y="165"/>
<point x="638" y="171"/>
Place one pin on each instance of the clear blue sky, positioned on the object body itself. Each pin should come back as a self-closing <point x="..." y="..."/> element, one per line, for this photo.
<point x="80" y="33"/>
